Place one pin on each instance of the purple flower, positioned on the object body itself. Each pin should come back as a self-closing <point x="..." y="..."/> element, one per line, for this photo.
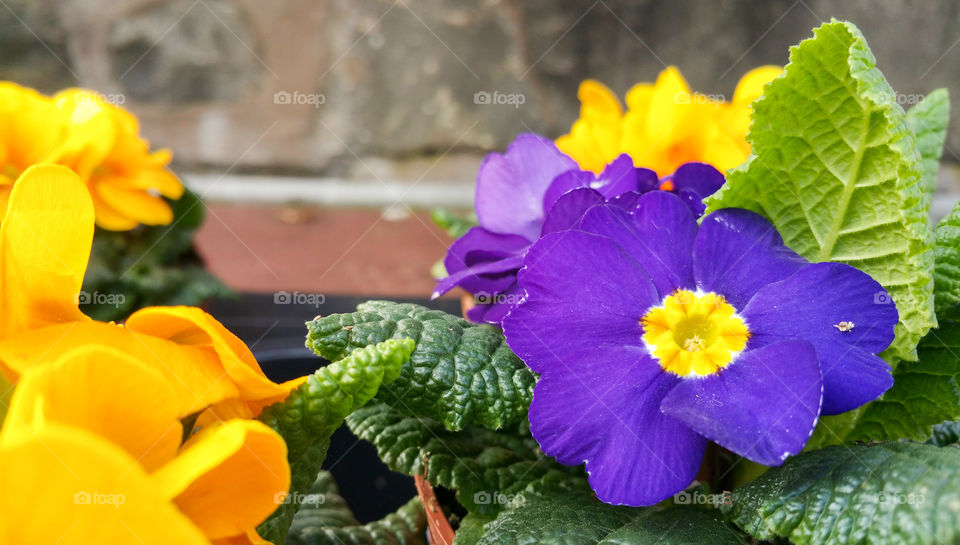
<point x="652" y="336"/>
<point x="534" y="189"/>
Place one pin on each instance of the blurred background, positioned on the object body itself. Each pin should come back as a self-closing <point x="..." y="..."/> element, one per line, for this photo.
<point x="331" y="125"/>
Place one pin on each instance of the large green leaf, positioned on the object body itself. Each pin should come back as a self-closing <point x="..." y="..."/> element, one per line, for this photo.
<point x="928" y="121"/>
<point x="946" y="273"/>
<point x="924" y="393"/>
<point x="460" y="374"/>
<point x="836" y="169"/>
<point x="325" y="519"/>
<point x="896" y="493"/>
<point x="488" y="469"/>
<point x="312" y="412"/>
<point x="575" y="518"/>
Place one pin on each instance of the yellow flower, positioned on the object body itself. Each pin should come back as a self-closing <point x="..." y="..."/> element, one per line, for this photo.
<point x="665" y="124"/>
<point x="45" y="240"/>
<point x="125" y="178"/>
<point x="94" y="437"/>
<point x="99" y="141"/>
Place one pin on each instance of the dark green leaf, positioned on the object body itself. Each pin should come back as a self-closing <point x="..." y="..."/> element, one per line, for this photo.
<point x="312" y="412"/>
<point x="325" y="519"/>
<point x="488" y="469"/>
<point x="896" y="493"/>
<point x="461" y="374"/>
<point x="924" y="393"/>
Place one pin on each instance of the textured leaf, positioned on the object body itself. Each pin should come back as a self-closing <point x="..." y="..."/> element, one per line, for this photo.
<point x="946" y="272"/>
<point x="460" y="374"/>
<point x="325" y="519"/>
<point x="837" y="171"/>
<point x="312" y="412"/>
<point x="928" y="121"/>
<point x="488" y="469"/>
<point x="924" y="393"/>
<point x="579" y="519"/>
<point x="945" y="433"/>
<point x="896" y="493"/>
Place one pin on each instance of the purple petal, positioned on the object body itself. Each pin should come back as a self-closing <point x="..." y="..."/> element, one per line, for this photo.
<point x="489" y="276"/>
<point x="737" y="252"/>
<point x="700" y="178"/>
<point x="602" y="408"/>
<point x="617" y="178"/>
<point x="511" y="186"/>
<point x="816" y="304"/>
<point x="659" y="234"/>
<point x="565" y="182"/>
<point x="763" y="406"/>
<point x="502" y="303"/>
<point x="569" y="209"/>
<point x="479" y="259"/>
<point x="581" y="290"/>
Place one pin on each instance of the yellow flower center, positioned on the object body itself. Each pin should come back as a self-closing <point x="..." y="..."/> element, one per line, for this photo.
<point x="694" y="334"/>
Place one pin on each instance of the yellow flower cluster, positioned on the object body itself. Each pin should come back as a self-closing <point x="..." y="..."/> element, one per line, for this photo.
<point x="134" y="433"/>
<point x="665" y="124"/>
<point x="99" y="141"/>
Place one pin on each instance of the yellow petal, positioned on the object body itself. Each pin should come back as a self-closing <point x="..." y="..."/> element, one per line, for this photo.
<point x="45" y="240"/>
<point x="750" y="86"/>
<point x="594" y="139"/>
<point x="229" y="477"/>
<point x="191" y="326"/>
<point x="137" y="204"/>
<point x="71" y="487"/>
<point x="249" y="538"/>
<point x="195" y="374"/>
<point x="103" y="390"/>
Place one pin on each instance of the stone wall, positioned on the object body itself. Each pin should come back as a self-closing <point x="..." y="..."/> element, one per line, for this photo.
<point x="335" y="87"/>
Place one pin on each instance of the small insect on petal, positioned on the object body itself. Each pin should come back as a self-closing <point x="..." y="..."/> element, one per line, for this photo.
<point x="844" y="326"/>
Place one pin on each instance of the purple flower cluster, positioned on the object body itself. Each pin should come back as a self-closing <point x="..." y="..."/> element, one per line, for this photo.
<point x="653" y="334"/>
<point x="534" y="189"/>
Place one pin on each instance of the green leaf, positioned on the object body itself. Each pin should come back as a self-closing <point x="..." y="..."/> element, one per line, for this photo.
<point x="578" y="519"/>
<point x="924" y="393"/>
<point x="896" y="493"/>
<point x="928" y="121"/>
<point x="312" y="412"/>
<point x="837" y="171"/>
<point x="454" y="224"/>
<point x="325" y="519"/>
<point x="945" y="433"/>
<point x="675" y="526"/>
<point x="946" y="272"/>
<point x="488" y="469"/>
<point x="461" y="374"/>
